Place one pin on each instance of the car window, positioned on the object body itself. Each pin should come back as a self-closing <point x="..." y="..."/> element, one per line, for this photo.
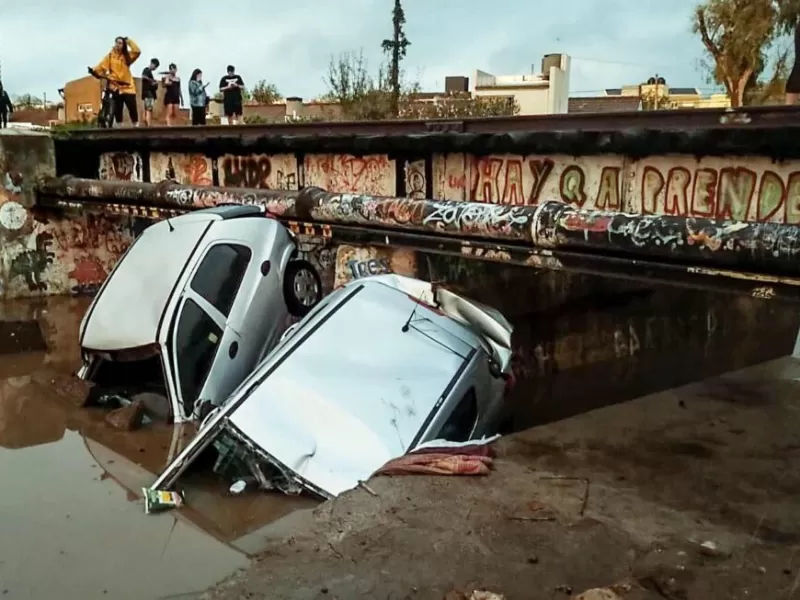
<point x="220" y="274"/>
<point x="196" y="341"/>
<point x="461" y="422"/>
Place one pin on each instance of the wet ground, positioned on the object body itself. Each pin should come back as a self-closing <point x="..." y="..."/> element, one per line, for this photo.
<point x="689" y="494"/>
<point x="71" y="513"/>
<point x="710" y="460"/>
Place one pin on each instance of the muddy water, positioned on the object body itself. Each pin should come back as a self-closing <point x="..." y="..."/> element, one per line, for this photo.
<point x="71" y="516"/>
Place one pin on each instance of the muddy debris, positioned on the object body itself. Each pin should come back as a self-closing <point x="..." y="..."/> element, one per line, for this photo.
<point x="710" y="549"/>
<point x="599" y="594"/>
<point x="473" y="595"/>
<point x="74" y="391"/>
<point x="127" y="418"/>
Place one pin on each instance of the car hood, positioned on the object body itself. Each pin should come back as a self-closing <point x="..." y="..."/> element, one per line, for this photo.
<point x="127" y="311"/>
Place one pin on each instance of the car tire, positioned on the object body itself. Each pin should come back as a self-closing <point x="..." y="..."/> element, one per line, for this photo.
<point x="302" y="287"/>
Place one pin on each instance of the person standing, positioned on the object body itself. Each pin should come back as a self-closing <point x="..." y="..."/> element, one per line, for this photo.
<point x="116" y="67"/>
<point x="149" y="90"/>
<point x="6" y="107"/>
<point x="173" y="96"/>
<point x="198" y="99"/>
<point x="232" y="87"/>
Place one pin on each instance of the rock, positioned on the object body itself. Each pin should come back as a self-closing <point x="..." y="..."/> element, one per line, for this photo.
<point x="128" y="417"/>
<point x="598" y="594"/>
<point x="68" y="387"/>
<point x="709" y="548"/>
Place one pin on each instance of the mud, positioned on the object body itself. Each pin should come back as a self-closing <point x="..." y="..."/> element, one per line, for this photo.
<point x="626" y="494"/>
<point x="72" y="516"/>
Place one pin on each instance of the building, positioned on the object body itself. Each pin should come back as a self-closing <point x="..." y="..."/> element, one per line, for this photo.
<point x="604" y="104"/>
<point x="536" y="93"/>
<point x="670" y="97"/>
<point x="291" y="109"/>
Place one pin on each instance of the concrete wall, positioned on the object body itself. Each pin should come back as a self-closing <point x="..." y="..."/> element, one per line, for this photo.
<point x="743" y="188"/>
<point x="49" y="254"/>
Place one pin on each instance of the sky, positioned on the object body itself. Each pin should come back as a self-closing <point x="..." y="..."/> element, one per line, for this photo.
<point x="290" y="42"/>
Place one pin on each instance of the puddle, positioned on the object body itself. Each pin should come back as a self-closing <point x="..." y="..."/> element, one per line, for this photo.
<point x="72" y="513"/>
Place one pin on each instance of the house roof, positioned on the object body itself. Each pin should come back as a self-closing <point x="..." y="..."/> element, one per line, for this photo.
<point x="684" y="91"/>
<point x="601" y="104"/>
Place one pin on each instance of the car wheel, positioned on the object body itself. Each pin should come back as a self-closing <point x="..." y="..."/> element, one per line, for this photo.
<point x="302" y="287"/>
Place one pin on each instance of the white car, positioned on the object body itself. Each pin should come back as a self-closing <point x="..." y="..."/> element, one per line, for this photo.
<point x="193" y="306"/>
<point x="379" y="367"/>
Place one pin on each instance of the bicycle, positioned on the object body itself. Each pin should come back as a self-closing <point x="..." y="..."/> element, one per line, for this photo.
<point x="108" y="99"/>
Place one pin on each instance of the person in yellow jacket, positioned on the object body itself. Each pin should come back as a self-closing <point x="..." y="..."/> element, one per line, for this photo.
<point x="116" y="67"/>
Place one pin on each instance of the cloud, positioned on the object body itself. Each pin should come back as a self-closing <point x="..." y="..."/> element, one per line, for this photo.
<point x="44" y="43"/>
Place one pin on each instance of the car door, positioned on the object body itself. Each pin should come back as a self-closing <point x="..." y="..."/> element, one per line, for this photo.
<point x="205" y="346"/>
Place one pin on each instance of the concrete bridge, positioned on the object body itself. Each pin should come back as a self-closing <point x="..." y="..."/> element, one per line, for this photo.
<point x="633" y="252"/>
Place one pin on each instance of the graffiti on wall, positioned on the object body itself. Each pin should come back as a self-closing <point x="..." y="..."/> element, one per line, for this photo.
<point x="121" y="166"/>
<point x="751" y="189"/>
<point x="375" y="174"/>
<point x="186" y="169"/>
<point x="616" y="337"/>
<point x="416" y="182"/>
<point x="591" y="182"/>
<point x="55" y="256"/>
<point x="90" y="247"/>
<point x="262" y="171"/>
<point x="354" y="262"/>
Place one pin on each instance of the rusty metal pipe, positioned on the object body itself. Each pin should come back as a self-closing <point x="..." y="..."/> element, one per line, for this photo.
<point x="758" y="248"/>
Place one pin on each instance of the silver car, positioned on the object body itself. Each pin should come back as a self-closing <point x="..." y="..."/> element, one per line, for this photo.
<point x="193" y="306"/>
<point x="379" y="367"/>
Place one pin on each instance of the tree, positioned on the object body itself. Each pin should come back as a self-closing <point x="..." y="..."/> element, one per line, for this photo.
<point x="759" y="91"/>
<point x="458" y="106"/>
<point x="361" y="96"/>
<point x="364" y="97"/>
<point x="27" y="101"/>
<point x="736" y="34"/>
<point x="788" y="15"/>
<point x="265" y="93"/>
<point x="396" y="48"/>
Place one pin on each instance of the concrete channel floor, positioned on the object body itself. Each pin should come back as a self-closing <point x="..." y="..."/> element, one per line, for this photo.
<point x="622" y="495"/>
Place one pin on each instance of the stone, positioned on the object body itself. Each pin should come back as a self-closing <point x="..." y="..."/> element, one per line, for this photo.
<point x="127" y="418"/>
<point x="598" y="594"/>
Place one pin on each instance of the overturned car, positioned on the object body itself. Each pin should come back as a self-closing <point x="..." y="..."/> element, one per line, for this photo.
<point x="381" y="366"/>
<point x="193" y="306"/>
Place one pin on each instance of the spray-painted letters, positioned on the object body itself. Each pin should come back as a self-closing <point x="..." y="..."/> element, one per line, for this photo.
<point x="273" y="172"/>
<point x="342" y="173"/>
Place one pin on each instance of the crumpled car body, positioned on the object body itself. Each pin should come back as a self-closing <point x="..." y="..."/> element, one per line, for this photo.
<point x="193" y="305"/>
<point x="380" y="367"/>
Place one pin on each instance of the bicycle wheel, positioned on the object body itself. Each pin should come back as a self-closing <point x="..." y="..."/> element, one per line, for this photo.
<point x="106" y="117"/>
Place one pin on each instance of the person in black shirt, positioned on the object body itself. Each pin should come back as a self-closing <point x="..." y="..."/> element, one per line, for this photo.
<point x="231" y="87"/>
<point x="149" y="90"/>
<point x="173" y="96"/>
<point x="6" y="106"/>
